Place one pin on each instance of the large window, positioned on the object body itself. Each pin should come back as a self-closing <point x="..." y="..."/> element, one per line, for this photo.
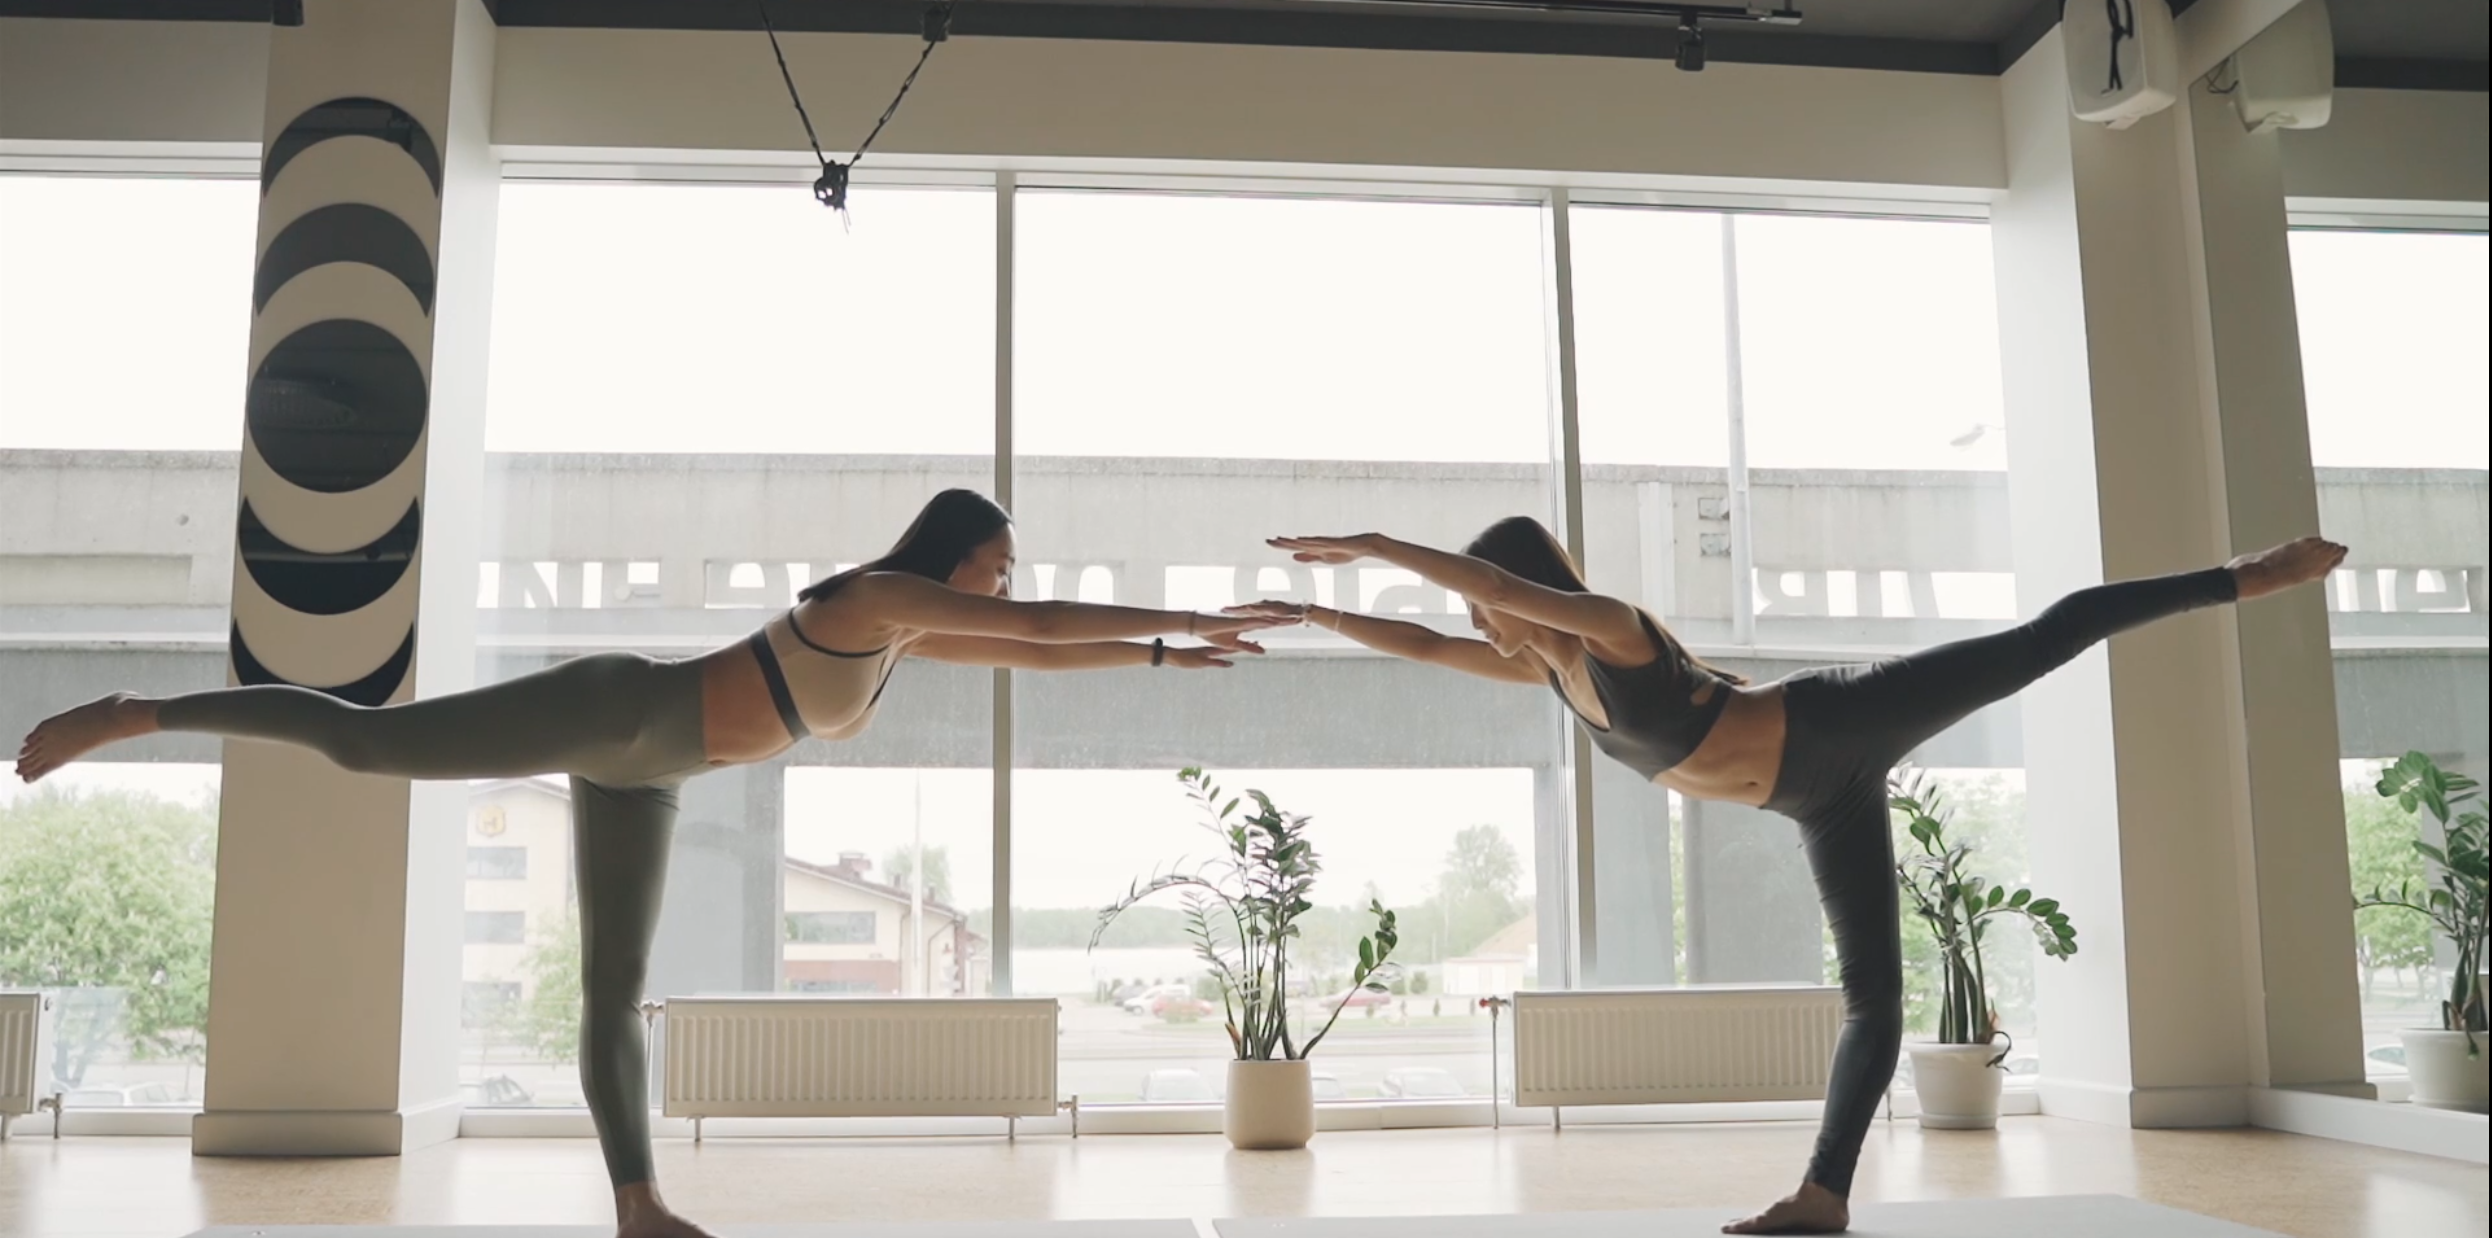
<point x="675" y="445"/>
<point x="1844" y="372"/>
<point x="2393" y="365"/>
<point x="1196" y="374"/>
<point x="761" y="396"/>
<point x="124" y="315"/>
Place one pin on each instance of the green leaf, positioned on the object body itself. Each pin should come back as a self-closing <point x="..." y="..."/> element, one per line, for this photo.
<point x="2044" y="907"/>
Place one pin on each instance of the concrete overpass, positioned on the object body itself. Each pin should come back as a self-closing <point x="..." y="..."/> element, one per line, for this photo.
<point x="116" y="569"/>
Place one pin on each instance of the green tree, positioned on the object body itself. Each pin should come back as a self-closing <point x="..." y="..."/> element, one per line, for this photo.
<point x="1482" y="864"/>
<point x="903" y="862"/>
<point x="548" y="1019"/>
<point x="2379" y="842"/>
<point x="1478" y="894"/>
<point x="110" y="892"/>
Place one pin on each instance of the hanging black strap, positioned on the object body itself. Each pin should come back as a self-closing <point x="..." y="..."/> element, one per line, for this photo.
<point x="831" y="189"/>
<point x="2120" y="30"/>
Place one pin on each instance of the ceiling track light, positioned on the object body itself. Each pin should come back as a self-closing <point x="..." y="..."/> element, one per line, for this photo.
<point x="1763" y="14"/>
<point x="1691" y="57"/>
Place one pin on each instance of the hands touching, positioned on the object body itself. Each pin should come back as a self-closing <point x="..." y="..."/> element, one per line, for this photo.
<point x="1225" y="634"/>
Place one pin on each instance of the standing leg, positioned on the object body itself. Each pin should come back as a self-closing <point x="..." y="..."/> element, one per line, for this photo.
<point x="620" y="837"/>
<point x="1852" y="858"/>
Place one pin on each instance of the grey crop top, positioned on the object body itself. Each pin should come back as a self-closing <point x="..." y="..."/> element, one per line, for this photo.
<point x="1658" y="712"/>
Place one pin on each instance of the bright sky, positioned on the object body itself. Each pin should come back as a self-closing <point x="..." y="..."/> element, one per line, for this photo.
<point x="698" y="318"/>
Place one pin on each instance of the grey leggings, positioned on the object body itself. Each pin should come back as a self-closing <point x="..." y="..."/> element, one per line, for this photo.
<point x="1846" y="727"/>
<point x="625" y="728"/>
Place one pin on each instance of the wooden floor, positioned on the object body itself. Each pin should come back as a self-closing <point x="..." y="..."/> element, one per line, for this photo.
<point x="2309" y="1188"/>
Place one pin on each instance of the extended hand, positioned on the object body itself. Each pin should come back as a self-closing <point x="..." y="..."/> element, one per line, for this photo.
<point x="1224" y="627"/>
<point x="1207" y="657"/>
<point x="1232" y="642"/>
<point x="1332" y="550"/>
<point x="1273" y="609"/>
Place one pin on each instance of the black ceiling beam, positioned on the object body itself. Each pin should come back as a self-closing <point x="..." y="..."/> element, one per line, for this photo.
<point x="1299" y="26"/>
<point x="1625" y="37"/>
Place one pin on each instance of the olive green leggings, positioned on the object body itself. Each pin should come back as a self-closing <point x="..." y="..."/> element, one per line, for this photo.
<point x="625" y="728"/>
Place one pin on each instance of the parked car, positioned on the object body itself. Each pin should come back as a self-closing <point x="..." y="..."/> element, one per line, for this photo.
<point x="2387" y="1059"/>
<point x="1327" y="1086"/>
<point x="1175" y="1084"/>
<point x="1420" y="1083"/>
<point x="497" y="1092"/>
<point x="1140" y="1003"/>
<point x="1352" y="1000"/>
<point x="118" y="1097"/>
<point x="1179" y="1006"/>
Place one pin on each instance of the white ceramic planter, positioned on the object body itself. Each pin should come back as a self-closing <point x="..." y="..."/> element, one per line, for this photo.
<point x="1271" y="1105"/>
<point x="1957" y="1087"/>
<point x="2443" y="1076"/>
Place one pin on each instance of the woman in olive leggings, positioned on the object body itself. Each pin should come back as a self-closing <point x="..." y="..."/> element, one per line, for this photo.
<point x="1814" y="746"/>
<point x="628" y="730"/>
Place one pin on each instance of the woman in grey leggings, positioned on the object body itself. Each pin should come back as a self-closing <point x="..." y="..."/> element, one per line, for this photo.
<point x="628" y="730"/>
<point x="1814" y="746"/>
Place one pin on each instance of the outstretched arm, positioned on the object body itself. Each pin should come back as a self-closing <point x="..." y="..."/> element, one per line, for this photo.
<point x="1025" y="655"/>
<point x="1404" y="640"/>
<point x="898" y="601"/>
<point x="1609" y="624"/>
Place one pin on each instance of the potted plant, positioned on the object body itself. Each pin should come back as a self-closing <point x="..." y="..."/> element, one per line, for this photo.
<point x="1242" y="910"/>
<point x="2446" y="1063"/>
<point x="1958" y="1077"/>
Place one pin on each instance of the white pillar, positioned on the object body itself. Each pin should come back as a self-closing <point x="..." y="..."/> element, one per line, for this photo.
<point x="2305" y="1015"/>
<point x="333" y="1001"/>
<point x="2179" y="808"/>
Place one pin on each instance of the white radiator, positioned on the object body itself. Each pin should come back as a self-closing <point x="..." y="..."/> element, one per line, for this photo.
<point x="784" y="1057"/>
<point x="25" y="1054"/>
<point x="1674" y="1046"/>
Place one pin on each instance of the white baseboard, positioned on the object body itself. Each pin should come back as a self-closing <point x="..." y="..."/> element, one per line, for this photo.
<point x="135" y="1121"/>
<point x="2186" y="1108"/>
<point x="2405" y="1128"/>
<point x="2102" y="1103"/>
<point x="2112" y="1104"/>
<point x="303" y="1132"/>
<point x="1185" y="1120"/>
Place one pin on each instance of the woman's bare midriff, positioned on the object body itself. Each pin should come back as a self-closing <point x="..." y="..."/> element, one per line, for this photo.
<point x="739" y="724"/>
<point x="1740" y="757"/>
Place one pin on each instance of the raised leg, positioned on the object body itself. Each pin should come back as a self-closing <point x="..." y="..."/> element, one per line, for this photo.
<point x="542" y="723"/>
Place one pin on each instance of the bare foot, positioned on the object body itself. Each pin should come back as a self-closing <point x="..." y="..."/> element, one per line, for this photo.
<point x="2297" y="562"/>
<point x="659" y="1224"/>
<point x="64" y="737"/>
<point x="1810" y="1210"/>
<point x="639" y="1213"/>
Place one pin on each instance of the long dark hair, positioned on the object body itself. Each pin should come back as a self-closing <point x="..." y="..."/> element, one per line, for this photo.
<point x="1525" y="547"/>
<point x="948" y="529"/>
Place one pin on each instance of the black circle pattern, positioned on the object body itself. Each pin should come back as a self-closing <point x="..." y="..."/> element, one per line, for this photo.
<point x="338" y="404"/>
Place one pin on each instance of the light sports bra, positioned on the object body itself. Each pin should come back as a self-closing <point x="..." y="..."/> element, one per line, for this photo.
<point x="821" y="693"/>
<point x="1658" y="712"/>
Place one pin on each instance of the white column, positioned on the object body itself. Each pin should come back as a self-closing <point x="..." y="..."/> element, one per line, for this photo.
<point x="2305" y="1015"/>
<point x="2179" y="808"/>
<point x="334" y="999"/>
